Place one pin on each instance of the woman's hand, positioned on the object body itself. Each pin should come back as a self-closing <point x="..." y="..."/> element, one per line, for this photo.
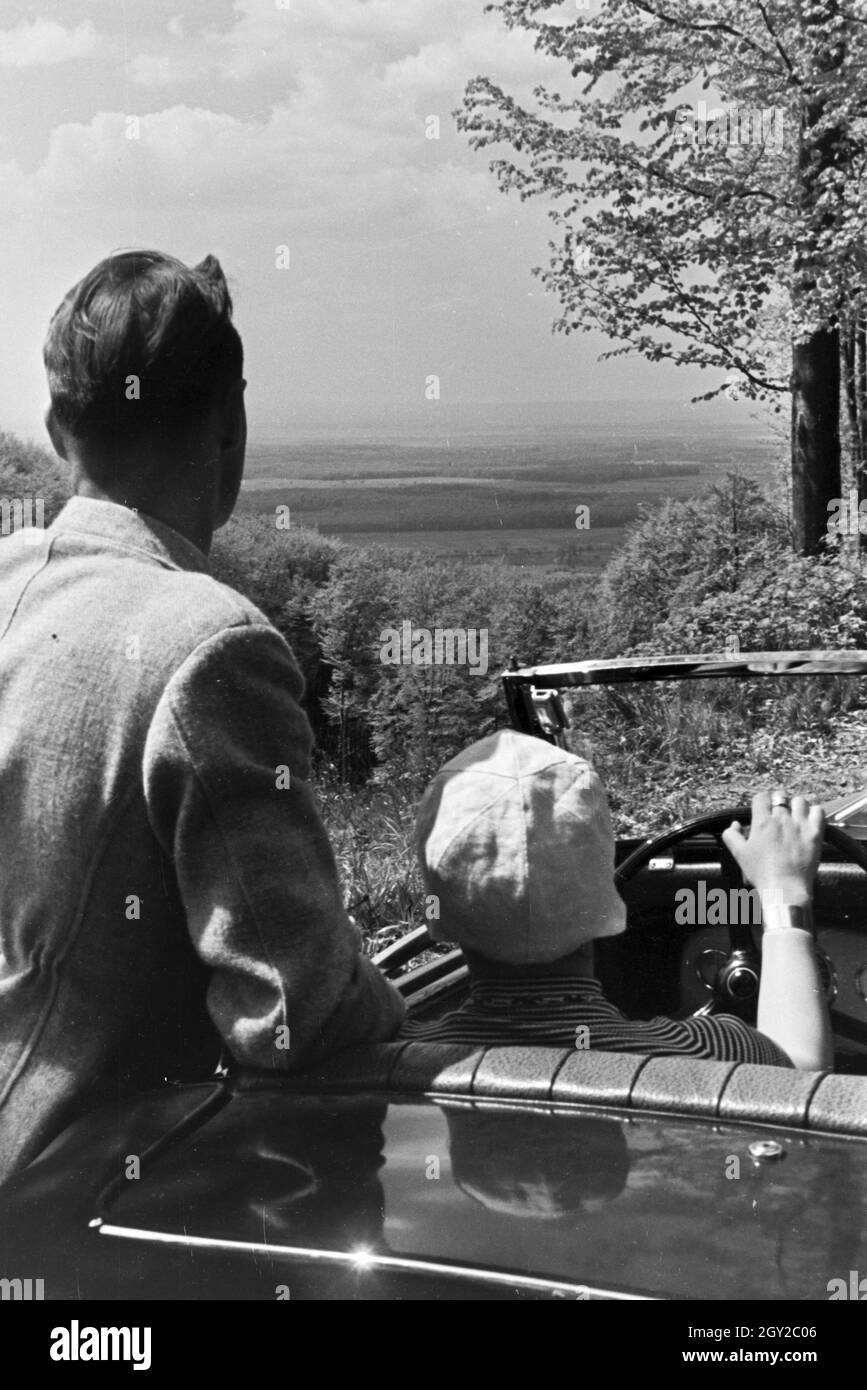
<point x="780" y="858"/>
<point x="782" y="852"/>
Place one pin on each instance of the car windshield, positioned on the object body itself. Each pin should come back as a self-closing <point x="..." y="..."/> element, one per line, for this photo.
<point x="676" y="736"/>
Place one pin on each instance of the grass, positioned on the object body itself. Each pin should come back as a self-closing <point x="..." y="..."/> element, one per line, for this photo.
<point x="371" y="834"/>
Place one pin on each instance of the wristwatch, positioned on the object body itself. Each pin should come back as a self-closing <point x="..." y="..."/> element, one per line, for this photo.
<point x="787" y="917"/>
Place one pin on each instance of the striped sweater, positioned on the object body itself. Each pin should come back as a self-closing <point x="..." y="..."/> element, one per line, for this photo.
<point x="572" y="1011"/>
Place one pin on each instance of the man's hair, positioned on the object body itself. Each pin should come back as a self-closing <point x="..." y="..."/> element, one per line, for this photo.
<point x="142" y="346"/>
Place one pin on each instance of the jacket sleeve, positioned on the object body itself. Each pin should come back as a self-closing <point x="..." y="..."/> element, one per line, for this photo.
<point x="226" y="767"/>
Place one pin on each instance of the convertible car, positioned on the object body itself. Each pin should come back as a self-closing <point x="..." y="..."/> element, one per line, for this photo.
<point x="420" y="1171"/>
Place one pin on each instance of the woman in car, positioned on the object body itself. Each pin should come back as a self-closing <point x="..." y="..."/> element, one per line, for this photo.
<point x="514" y="838"/>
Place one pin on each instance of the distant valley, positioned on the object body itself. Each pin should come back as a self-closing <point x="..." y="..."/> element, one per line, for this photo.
<point x="507" y="492"/>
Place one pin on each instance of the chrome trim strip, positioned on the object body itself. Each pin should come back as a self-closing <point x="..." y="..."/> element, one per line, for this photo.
<point x="840" y="817"/>
<point x="689" y="666"/>
<point x="364" y="1259"/>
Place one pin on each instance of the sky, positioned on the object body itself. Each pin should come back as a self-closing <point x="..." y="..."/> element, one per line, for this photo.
<point x="198" y="126"/>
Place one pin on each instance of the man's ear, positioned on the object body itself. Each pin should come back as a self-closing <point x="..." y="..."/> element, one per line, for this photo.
<point x="233" y="446"/>
<point x="56" y="434"/>
<point x="234" y="419"/>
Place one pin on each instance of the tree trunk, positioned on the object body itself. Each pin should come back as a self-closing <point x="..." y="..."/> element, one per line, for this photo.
<point x="854" y="372"/>
<point x="816" y="382"/>
<point x="852" y="442"/>
<point x="861" y="408"/>
<point x="815" y="437"/>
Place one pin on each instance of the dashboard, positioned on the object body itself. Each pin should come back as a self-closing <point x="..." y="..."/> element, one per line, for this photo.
<point x="685" y="917"/>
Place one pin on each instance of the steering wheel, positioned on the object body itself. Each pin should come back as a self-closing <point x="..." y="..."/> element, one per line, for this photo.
<point x="737" y="982"/>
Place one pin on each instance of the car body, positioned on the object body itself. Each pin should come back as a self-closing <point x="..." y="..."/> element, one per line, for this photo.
<point x="431" y="1171"/>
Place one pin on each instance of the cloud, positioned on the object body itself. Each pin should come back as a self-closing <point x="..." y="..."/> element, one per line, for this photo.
<point x="292" y="174"/>
<point x="337" y="142"/>
<point x="160" y="69"/>
<point x="368" y="34"/>
<point x="344" y="93"/>
<point x="42" y="41"/>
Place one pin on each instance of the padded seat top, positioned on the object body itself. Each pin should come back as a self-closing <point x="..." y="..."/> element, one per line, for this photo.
<point x="674" y="1085"/>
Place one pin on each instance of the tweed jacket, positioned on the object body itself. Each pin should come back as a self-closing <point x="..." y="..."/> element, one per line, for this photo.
<point x="166" y="884"/>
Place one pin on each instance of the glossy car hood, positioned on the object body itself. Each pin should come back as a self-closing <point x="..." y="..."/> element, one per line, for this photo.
<point x="659" y="1206"/>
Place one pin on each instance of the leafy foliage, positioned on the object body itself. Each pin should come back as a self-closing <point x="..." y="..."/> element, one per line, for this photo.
<point x="26" y="470"/>
<point x="280" y="571"/>
<point x="681" y="553"/>
<point x="676" y="238"/>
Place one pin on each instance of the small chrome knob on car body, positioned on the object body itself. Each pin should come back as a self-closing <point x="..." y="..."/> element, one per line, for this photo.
<point x="763" y="1150"/>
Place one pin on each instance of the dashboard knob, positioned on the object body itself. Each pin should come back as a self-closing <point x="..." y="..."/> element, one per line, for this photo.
<point x="741" y="983"/>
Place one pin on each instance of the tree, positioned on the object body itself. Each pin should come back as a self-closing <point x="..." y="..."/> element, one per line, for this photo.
<point x="708" y="175"/>
<point x="27" y="470"/>
<point x="281" y="572"/>
<point x="681" y="554"/>
<point x="348" y="613"/>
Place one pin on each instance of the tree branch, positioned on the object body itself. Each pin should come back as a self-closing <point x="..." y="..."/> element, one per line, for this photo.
<point x="779" y="47"/>
<point x="678" y="22"/>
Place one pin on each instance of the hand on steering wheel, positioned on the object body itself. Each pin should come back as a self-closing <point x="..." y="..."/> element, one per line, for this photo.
<point x="783" y="850"/>
<point x="736" y="983"/>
